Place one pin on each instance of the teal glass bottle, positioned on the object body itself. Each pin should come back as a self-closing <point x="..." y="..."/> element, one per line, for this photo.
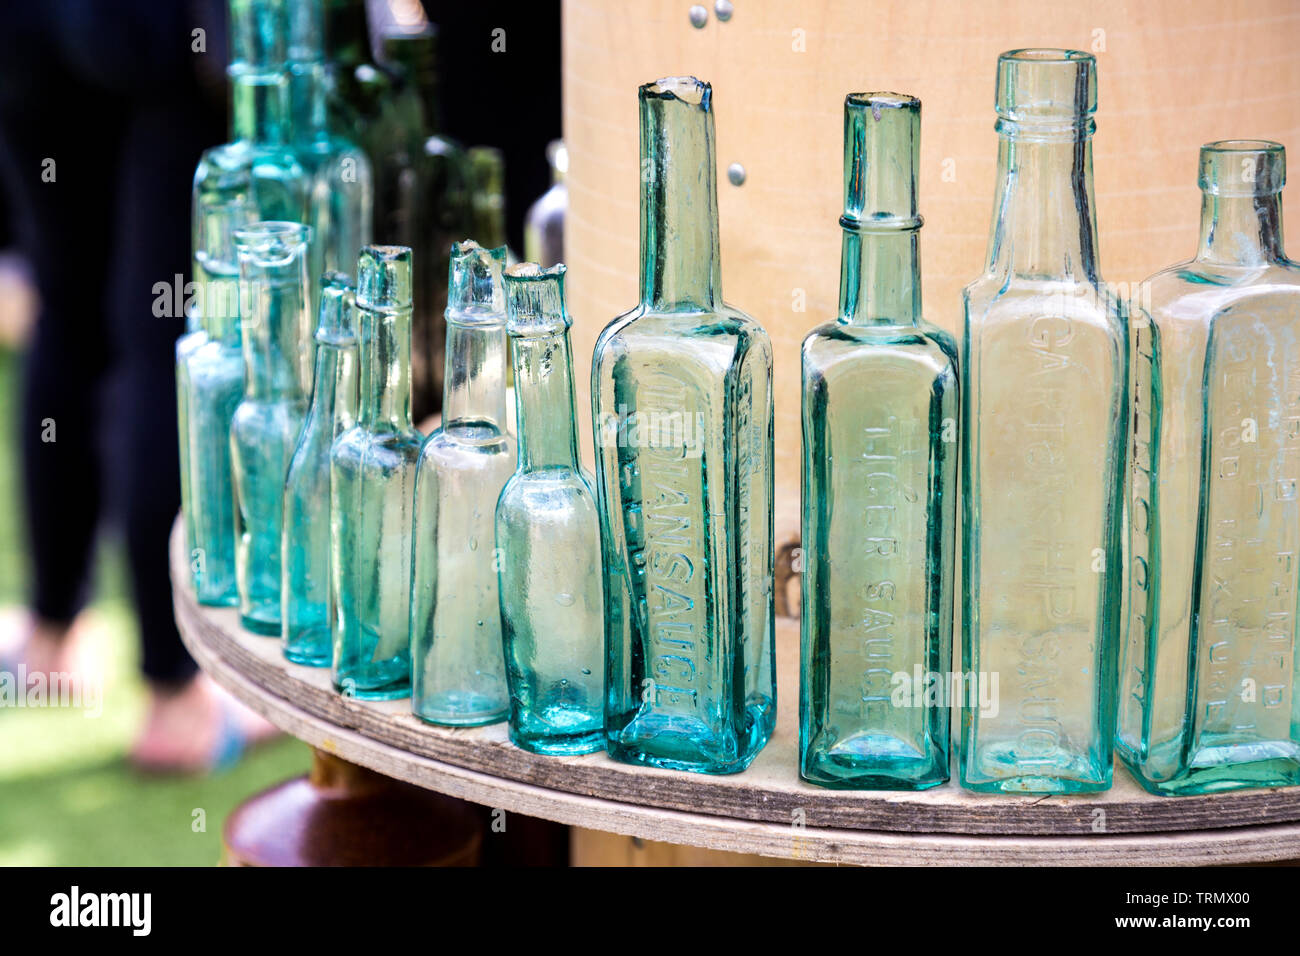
<point x="259" y="115"/>
<point x="372" y="485"/>
<point x="1209" y="672"/>
<point x="186" y="344"/>
<point x="1045" y="366"/>
<point x="278" y="358"/>
<point x="338" y="171"/>
<point x="548" y="537"/>
<point x="305" y="541"/>
<point x="458" y="663"/>
<point x="210" y="381"/>
<point x="880" y="410"/>
<point x="682" y="405"/>
<point x="544" y="224"/>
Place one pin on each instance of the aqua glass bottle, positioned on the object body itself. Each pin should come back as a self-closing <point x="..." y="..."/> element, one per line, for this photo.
<point x="682" y="405"/>
<point x="305" y="540"/>
<point x="186" y="344"/>
<point x="548" y="537"/>
<point x="341" y="188"/>
<point x="210" y="379"/>
<point x="1045" y="366"/>
<point x="458" y="664"/>
<point x="1209" y="672"/>
<point x="259" y="115"/>
<point x="278" y="359"/>
<point x="880" y="410"/>
<point x="372" y="488"/>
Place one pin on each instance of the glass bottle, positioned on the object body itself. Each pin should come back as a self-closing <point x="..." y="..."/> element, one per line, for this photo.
<point x="211" y="383"/>
<point x="458" y="667"/>
<point x="436" y="211"/>
<point x="305" y="541"/>
<point x="372" y="483"/>
<point x="1045" y="360"/>
<point x="1209" y="674"/>
<point x="880" y="407"/>
<point x="682" y="401"/>
<point x="548" y="537"/>
<point x="341" y="188"/>
<point x="278" y="357"/>
<point x="544" y="224"/>
<point x="259" y="116"/>
<point x="487" y="170"/>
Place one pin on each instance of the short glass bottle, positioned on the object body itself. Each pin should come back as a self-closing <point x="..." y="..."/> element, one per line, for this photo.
<point x="548" y="537"/>
<point x="880" y="408"/>
<point x="259" y="116"/>
<point x="210" y="380"/>
<point x="278" y="357"/>
<point x="341" y="187"/>
<point x="372" y="484"/>
<point x="681" y="391"/>
<point x="1209" y="673"/>
<point x="305" y="543"/>
<point x="1045" y="366"/>
<point x="458" y="664"/>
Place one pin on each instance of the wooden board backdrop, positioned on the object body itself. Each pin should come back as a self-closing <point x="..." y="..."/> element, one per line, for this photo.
<point x="1172" y="75"/>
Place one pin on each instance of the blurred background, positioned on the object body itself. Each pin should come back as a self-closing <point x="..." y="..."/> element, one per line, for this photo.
<point x="78" y="82"/>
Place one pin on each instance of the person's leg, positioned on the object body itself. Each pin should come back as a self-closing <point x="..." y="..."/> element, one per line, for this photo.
<point x="56" y="174"/>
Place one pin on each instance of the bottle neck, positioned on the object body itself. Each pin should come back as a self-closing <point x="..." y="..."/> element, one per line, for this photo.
<point x="259" y="108"/>
<point x="335" y="390"/>
<point x="548" y="436"/>
<point x="1045" y="222"/>
<point x="1241" y="230"/>
<point x="309" y="103"/>
<point x="475" y="390"/>
<point x="277" y="362"/>
<point x="880" y="277"/>
<point x="218" y="305"/>
<point x="680" y="268"/>
<point x="385" y="388"/>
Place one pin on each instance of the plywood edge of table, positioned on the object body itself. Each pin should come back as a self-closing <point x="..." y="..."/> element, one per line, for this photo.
<point x="754" y="812"/>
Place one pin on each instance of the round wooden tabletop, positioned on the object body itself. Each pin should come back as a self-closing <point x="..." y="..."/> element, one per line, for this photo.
<point x="766" y="810"/>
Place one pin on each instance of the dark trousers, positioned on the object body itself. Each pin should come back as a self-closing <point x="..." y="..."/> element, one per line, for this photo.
<point x="101" y="123"/>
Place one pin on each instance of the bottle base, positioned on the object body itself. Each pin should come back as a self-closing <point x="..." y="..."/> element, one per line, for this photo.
<point x="396" y="690"/>
<point x="876" y="775"/>
<point x="560" y="745"/>
<point x="224" y="599"/>
<point x="674" y="742"/>
<point x="311" y="647"/>
<point x="440" y="719"/>
<point x="307" y="659"/>
<point x="1223" y="778"/>
<point x="265" y="626"/>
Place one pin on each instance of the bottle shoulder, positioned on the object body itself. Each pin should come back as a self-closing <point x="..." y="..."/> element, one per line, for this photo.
<point x="715" y="339"/>
<point x="991" y="301"/>
<point x="1195" y="292"/>
<point x="836" y="343"/>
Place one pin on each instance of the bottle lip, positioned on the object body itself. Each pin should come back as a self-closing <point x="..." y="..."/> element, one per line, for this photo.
<point x="883" y="101"/>
<point x="384" y="278"/>
<point x="532" y="272"/>
<point x="1242" y="167"/>
<point x="686" y="89"/>
<point x="1049" y="91"/>
<point x="540" y="317"/>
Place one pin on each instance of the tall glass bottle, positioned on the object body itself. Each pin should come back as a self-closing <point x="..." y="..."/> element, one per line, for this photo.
<point x="880" y="407"/>
<point x="372" y="483"/>
<point x="548" y="537"/>
<point x="435" y="213"/>
<point x="544" y="224"/>
<point x="341" y="189"/>
<point x="259" y="115"/>
<point x="682" y="401"/>
<point x="278" y="358"/>
<point x="1045" y="360"/>
<point x="458" y="667"/>
<point x="305" y="540"/>
<point x="1210" y="678"/>
<point x="210" y="380"/>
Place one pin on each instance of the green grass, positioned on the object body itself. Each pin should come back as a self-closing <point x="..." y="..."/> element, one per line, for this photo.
<point x="67" y="796"/>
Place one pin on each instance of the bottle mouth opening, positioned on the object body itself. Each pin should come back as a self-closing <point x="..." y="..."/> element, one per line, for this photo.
<point x="532" y="272"/>
<point x="883" y="101"/>
<point x="1045" y="55"/>
<point x="1243" y="146"/>
<point x="686" y="89"/>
